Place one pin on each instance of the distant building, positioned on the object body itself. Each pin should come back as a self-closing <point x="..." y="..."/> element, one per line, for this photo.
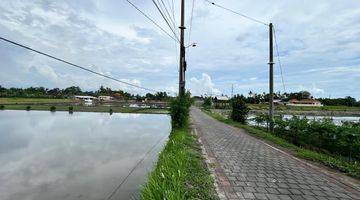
<point x="84" y="97"/>
<point x="304" y="102"/>
<point x="105" y="98"/>
<point x="221" y="102"/>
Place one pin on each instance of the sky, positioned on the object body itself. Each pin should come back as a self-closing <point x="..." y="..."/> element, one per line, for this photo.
<point x="318" y="42"/>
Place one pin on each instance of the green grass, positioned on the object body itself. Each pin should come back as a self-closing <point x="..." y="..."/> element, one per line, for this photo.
<point x="333" y="161"/>
<point x="33" y="100"/>
<point x="180" y="172"/>
<point x="115" y="109"/>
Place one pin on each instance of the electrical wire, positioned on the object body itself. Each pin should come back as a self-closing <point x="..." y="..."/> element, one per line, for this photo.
<point x="163" y="16"/>
<point x="238" y="13"/>
<point x="278" y="56"/>
<point x="169" y="16"/>
<point x="191" y="19"/>
<point x="75" y="65"/>
<point x="133" y="169"/>
<point x="156" y="24"/>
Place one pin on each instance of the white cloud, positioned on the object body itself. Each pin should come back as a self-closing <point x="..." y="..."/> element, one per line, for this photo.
<point x="315" y="91"/>
<point x="203" y="85"/>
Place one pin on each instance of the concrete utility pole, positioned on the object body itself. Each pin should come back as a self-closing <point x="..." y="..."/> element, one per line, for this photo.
<point x="182" y="52"/>
<point x="271" y="78"/>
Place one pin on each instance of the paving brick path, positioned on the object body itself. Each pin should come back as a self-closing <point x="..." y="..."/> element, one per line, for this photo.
<point x="247" y="168"/>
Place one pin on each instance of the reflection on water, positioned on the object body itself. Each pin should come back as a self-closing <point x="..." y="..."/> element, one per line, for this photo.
<point x="46" y="155"/>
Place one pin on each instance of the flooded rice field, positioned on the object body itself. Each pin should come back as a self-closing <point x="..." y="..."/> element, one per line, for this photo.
<point x="56" y="155"/>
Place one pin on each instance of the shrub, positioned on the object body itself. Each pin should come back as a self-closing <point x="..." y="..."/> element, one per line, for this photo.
<point x="207" y="103"/>
<point x="71" y="109"/>
<point x="52" y="108"/>
<point x="28" y="108"/>
<point x="239" y="110"/>
<point x="111" y="111"/>
<point x="179" y="110"/>
<point x="2" y="107"/>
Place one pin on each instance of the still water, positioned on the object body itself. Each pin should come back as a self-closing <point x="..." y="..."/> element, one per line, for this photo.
<point x="58" y="155"/>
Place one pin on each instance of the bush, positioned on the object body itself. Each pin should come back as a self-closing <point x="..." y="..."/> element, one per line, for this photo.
<point x="323" y="135"/>
<point x="52" y="108"/>
<point x="111" y="111"/>
<point x="179" y="111"/>
<point x="2" y="107"/>
<point x="207" y="103"/>
<point x="239" y="110"/>
<point x="28" y="108"/>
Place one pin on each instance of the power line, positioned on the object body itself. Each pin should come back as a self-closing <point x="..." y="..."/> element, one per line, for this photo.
<point x="74" y="65"/>
<point x="133" y="169"/>
<point x="149" y="18"/>
<point x="238" y="13"/>
<point x="169" y="16"/>
<point x="191" y="19"/>
<point x="278" y="56"/>
<point x="165" y="20"/>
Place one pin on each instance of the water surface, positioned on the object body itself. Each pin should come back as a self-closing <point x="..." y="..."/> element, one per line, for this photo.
<point x="51" y="156"/>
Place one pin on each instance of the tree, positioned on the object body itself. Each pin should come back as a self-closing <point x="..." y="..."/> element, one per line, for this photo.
<point x="239" y="109"/>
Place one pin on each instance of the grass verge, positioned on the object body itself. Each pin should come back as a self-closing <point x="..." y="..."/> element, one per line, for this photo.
<point x="333" y="161"/>
<point x="180" y="172"/>
<point x="15" y="100"/>
<point x="116" y="109"/>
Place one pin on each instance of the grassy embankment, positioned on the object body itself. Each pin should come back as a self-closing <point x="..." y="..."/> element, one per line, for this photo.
<point x="333" y="161"/>
<point x="61" y="105"/>
<point x="180" y="172"/>
<point x="34" y="100"/>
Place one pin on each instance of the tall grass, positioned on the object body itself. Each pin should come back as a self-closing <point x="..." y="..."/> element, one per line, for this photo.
<point x="180" y="172"/>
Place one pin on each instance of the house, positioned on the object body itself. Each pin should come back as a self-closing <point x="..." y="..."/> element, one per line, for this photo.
<point x="221" y="102"/>
<point x="304" y="102"/>
<point x="105" y="98"/>
<point x="84" y="98"/>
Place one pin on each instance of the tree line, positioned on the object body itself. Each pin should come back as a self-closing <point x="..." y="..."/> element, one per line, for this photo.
<point x="257" y="98"/>
<point x="69" y="92"/>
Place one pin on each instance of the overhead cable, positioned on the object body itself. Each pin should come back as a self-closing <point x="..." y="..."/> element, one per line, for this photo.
<point x="75" y="65"/>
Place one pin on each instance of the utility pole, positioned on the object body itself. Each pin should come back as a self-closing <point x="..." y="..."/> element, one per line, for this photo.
<point x="182" y="51"/>
<point x="271" y="78"/>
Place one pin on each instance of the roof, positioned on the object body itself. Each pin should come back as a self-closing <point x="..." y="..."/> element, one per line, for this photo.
<point x="222" y="98"/>
<point x="304" y="101"/>
<point x="87" y="97"/>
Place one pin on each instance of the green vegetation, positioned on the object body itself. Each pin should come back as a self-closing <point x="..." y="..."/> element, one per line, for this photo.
<point x="239" y="110"/>
<point x="340" y="163"/>
<point x="52" y="108"/>
<point x="323" y="135"/>
<point x="116" y="109"/>
<point x="56" y="93"/>
<point x="207" y="103"/>
<point x="28" y="108"/>
<point x="33" y="100"/>
<point x="303" y="108"/>
<point x="2" y="107"/>
<point x="180" y="172"/>
<point x="179" y="111"/>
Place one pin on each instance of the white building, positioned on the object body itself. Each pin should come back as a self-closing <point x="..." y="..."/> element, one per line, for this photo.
<point x="105" y="98"/>
<point x="85" y="98"/>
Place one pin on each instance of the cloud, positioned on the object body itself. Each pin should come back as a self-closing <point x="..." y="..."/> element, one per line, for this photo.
<point x="119" y="41"/>
<point x="203" y="85"/>
<point x="315" y="91"/>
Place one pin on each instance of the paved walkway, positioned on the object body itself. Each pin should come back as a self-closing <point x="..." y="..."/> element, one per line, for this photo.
<point x="247" y="168"/>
